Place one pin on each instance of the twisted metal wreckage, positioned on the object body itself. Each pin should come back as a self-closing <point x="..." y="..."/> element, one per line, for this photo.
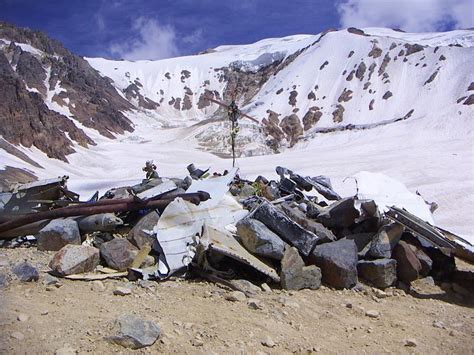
<point x="197" y="218"/>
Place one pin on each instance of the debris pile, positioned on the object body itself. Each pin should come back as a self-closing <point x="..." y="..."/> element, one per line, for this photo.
<point x="293" y="233"/>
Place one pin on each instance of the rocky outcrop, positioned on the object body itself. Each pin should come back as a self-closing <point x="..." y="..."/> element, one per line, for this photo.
<point x="132" y="92"/>
<point x="25" y="119"/>
<point x="27" y="78"/>
<point x="291" y="125"/>
<point x="311" y="117"/>
<point x="345" y="95"/>
<point x="338" y="114"/>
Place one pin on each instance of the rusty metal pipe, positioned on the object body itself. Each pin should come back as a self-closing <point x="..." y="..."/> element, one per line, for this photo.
<point x="91" y="209"/>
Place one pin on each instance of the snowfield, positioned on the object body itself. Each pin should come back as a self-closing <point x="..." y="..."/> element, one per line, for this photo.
<point x="431" y="152"/>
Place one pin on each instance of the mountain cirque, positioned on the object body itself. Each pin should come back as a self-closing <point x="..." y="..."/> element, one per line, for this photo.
<point x="296" y="86"/>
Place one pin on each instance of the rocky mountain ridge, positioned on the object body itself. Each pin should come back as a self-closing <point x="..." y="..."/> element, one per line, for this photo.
<point x="296" y="86"/>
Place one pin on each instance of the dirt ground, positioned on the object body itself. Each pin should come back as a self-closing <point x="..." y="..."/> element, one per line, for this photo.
<point x="196" y="317"/>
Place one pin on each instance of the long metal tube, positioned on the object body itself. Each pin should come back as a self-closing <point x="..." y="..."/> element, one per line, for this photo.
<point x="94" y="208"/>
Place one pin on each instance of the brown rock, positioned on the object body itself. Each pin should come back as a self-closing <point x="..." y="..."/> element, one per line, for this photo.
<point x="75" y="259"/>
<point x="118" y="253"/>
<point x="338" y="114"/>
<point x="138" y="234"/>
<point x="295" y="275"/>
<point x="408" y="265"/>
<point x="291" y="125"/>
<point x="311" y="117"/>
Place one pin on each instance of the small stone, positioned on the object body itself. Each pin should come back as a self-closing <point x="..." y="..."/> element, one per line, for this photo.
<point x="411" y="343"/>
<point x="147" y="284"/>
<point x="246" y="286"/>
<point x="268" y="342"/>
<point x="439" y="324"/>
<point x="380" y="294"/>
<point x="50" y="280"/>
<point x="97" y="286"/>
<point x="372" y="314"/>
<point x="197" y="342"/>
<point x="236" y="296"/>
<point x="25" y="272"/>
<point x="22" y="317"/>
<point x="134" y="333"/>
<point x="122" y="291"/>
<point x="255" y="304"/>
<point x="266" y="288"/>
<point x="17" y="335"/>
<point x="45" y="312"/>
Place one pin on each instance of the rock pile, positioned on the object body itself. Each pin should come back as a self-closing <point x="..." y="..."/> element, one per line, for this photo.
<point x="294" y="233"/>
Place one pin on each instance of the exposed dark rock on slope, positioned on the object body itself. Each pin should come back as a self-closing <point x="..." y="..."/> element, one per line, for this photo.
<point x="35" y="80"/>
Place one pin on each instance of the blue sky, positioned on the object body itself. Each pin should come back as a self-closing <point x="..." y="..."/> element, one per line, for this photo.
<point x="148" y="29"/>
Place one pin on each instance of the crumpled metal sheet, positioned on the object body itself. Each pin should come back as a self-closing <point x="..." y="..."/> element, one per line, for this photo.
<point x="177" y="232"/>
<point x="215" y="186"/>
<point x="224" y="243"/>
<point x="180" y="226"/>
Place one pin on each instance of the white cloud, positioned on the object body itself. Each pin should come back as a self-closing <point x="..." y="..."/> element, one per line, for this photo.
<point x="408" y="15"/>
<point x="152" y="41"/>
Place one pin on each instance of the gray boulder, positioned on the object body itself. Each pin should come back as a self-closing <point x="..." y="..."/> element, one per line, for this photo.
<point x="260" y="240"/>
<point x="385" y="240"/>
<point x="295" y="275"/>
<point x="135" y="333"/>
<point x="58" y="233"/>
<point x="318" y="229"/>
<point x="289" y="231"/>
<point x="380" y="273"/>
<point x="118" y="253"/>
<point x="74" y="259"/>
<point x="408" y="265"/>
<point x="138" y="235"/>
<point x="338" y="263"/>
<point x="25" y="272"/>
<point x="341" y="214"/>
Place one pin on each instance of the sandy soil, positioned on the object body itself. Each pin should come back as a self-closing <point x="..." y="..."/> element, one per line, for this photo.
<point x="195" y="317"/>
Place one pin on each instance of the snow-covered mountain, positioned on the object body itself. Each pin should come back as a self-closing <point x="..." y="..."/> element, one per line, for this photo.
<point x="333" y="103"/>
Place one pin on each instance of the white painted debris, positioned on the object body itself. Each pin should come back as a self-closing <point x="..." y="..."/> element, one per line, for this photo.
<point x="177" y="232"/>
<point x="388" y="192"/>
<point x="179" y="228"/>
